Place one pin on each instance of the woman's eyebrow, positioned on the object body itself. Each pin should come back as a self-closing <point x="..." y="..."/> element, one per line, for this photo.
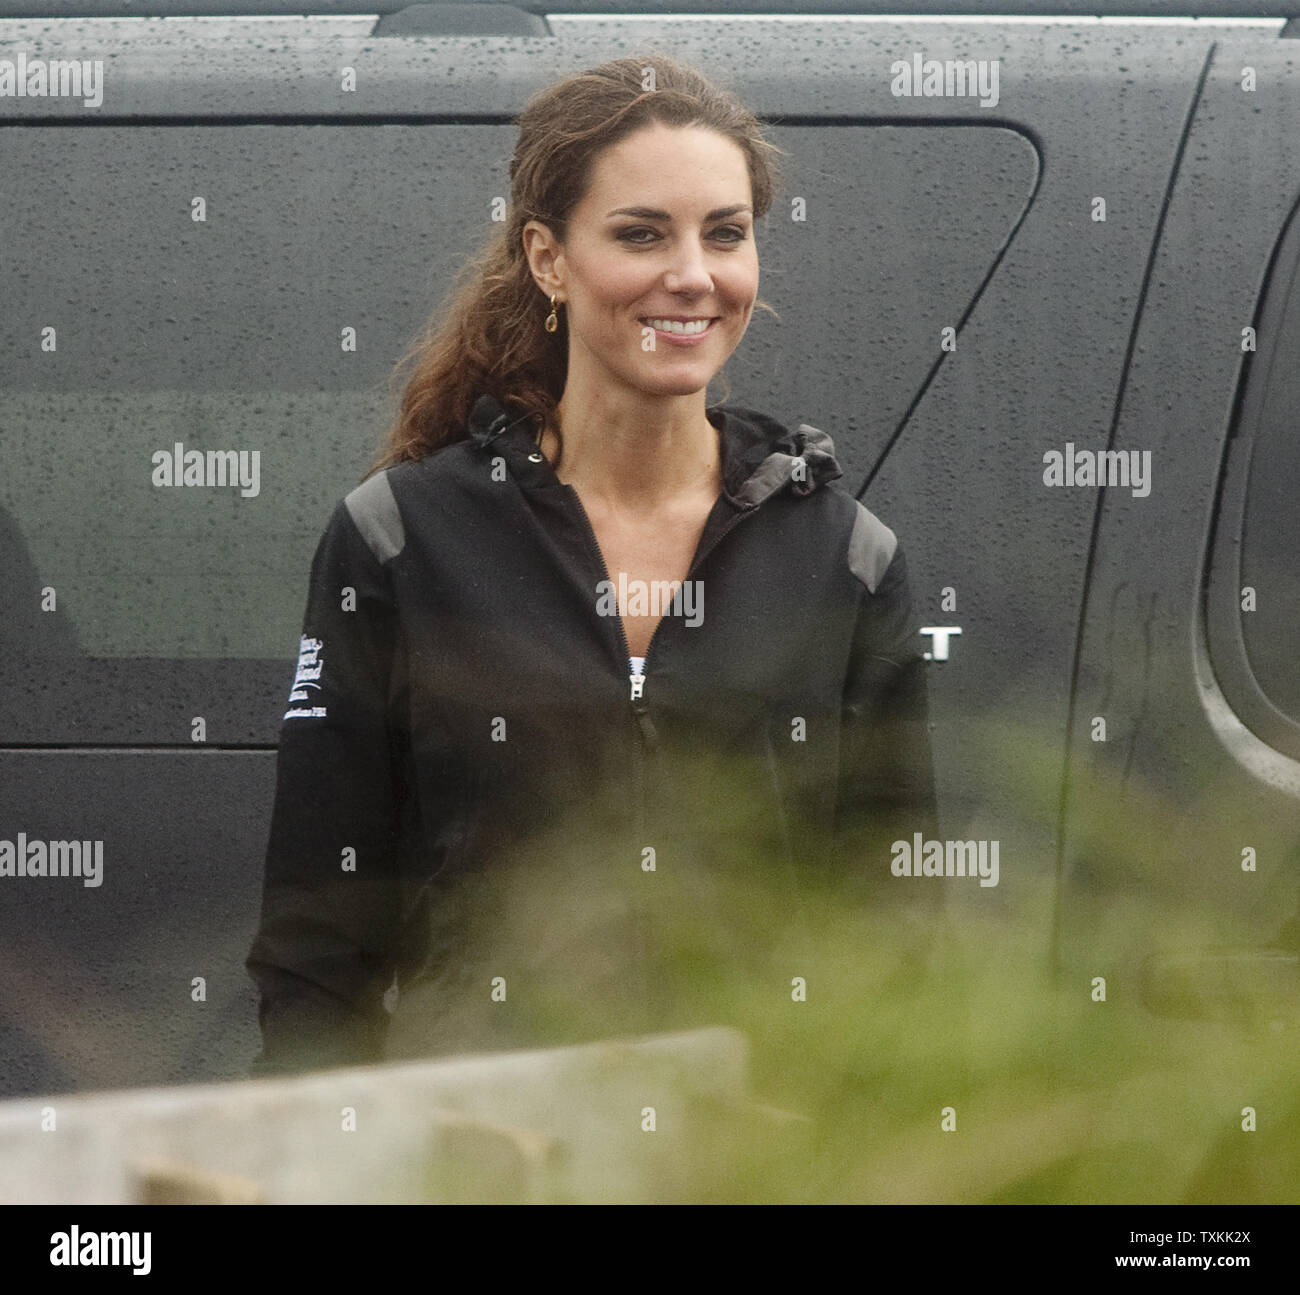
<point x="653" y="213"/>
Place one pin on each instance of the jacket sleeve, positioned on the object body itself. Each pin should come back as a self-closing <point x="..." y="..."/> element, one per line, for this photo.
<point x="886" y="789"/>
<point x="323" y="954"/>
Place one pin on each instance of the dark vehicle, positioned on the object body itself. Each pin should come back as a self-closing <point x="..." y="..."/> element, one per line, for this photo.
<point x="1036" y="279"/>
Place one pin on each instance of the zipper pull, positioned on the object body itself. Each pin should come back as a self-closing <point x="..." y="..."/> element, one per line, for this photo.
<point x="638" y="682"/>
<point x="649" y="734"/>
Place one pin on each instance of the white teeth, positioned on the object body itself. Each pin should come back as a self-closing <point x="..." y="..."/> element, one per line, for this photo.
<point x="675" y="326"/>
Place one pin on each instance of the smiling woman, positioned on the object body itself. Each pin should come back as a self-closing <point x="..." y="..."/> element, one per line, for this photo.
<point x="634" y="192"/>
<point x="522" y="787"/>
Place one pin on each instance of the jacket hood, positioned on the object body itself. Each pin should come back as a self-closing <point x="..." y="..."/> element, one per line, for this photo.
<point x="760" y="456"/>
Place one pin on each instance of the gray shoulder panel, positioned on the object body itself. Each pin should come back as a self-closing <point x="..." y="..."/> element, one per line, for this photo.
<point x="374" y="509"/>
<point x="871" y="548"/>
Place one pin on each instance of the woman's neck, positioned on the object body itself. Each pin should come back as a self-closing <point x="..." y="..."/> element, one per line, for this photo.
<point x="633" y="460"/>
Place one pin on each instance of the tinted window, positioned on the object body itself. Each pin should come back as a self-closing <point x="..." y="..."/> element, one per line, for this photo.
<point x="1253" y="600"/>
<point x="1270" y="536"/>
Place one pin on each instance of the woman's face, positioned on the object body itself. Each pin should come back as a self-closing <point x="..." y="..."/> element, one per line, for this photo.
<point x="665" y="232"/>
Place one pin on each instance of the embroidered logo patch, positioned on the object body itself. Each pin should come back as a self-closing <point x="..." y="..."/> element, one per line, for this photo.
<point x="304" y="679"/>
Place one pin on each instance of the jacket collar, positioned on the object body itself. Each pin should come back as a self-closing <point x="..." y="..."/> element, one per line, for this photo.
<point x="760" y="456"/>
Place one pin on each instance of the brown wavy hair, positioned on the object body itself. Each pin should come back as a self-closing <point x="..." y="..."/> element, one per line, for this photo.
<point x="488" y="335"/>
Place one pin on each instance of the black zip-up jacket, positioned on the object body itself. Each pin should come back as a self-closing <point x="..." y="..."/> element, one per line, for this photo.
<point x="477" y="800"/>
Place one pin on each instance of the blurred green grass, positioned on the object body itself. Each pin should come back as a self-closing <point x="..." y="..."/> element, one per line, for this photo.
<point x="1057" y="1098"/>
<point x="911" y="1010"/>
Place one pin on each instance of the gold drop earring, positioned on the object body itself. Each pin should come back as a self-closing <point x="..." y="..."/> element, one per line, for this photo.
<point x="552" y="320"/>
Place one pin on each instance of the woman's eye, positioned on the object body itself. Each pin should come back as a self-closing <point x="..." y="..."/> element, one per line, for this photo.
<point x="630" y="235"/>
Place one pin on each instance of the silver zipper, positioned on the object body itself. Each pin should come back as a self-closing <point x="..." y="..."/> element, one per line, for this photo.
<point x="649" y="737"/>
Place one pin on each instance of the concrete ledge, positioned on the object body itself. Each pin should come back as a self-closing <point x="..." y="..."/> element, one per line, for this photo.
<point x="560" y="1124"/>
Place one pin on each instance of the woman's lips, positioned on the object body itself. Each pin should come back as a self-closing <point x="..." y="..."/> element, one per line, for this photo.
<point x="684" y="339"/>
